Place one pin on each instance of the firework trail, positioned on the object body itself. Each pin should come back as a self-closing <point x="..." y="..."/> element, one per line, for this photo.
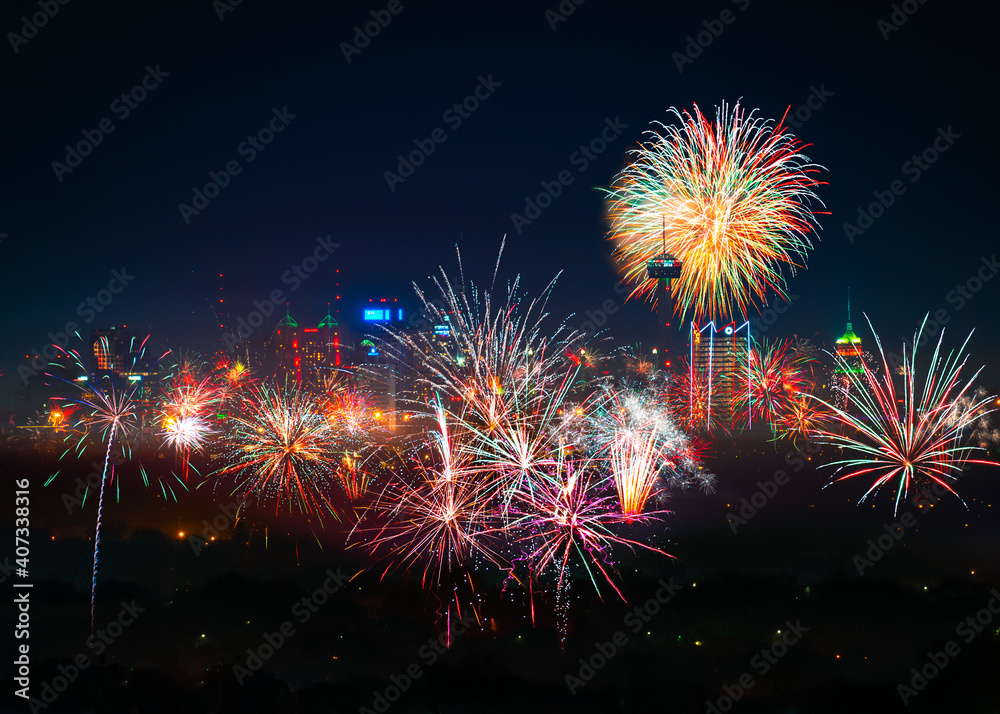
<point x="108" y="414"/>
<point x="97" y="530"/>
<point x="730" y="199"/>
<point x="913" y="436"/>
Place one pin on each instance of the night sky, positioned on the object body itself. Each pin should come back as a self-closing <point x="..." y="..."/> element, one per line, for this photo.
<point x="886" y="99"/>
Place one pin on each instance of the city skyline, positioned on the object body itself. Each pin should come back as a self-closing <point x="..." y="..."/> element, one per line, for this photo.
<point x="261" y="231"/>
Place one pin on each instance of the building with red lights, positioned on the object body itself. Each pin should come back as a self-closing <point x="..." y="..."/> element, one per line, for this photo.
<point x="306" y="355"/>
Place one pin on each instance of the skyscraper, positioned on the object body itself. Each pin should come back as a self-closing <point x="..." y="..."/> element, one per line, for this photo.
<point x="306" y="354"/>
<point x="849" y="347"/>
<point x="720" y="356"/>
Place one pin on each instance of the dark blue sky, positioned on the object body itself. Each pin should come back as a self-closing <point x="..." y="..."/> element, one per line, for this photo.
<point x="324" y="173"/>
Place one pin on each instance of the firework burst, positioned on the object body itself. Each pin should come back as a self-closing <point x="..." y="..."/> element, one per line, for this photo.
<point x="907" y="437"/>
<point x="731" y="199"/>
<point x="438" y="518"/>
<point x="530" y="462"/>
<point x="778" y="378"/>
<point x="566" y="520"/>
<point x="805" y="416"/>
<point x="281" y="446"/>
<point x="186" y="433"/>
<point x="644" y="449"/>
<point x="231" y="376"/>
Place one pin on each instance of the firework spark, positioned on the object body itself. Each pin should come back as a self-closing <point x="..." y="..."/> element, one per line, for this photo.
<point x="186" y="433"/>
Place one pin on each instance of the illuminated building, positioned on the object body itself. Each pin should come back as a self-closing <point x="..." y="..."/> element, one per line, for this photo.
<point x="382" y="311"/>
<point x="306" y="354"/>
<point x="110" y="349"/>
<point x="379" y="373"/>
<point x="718" y="356"/>
<point x="664" y="268"/>
<point x="849" y="348"/>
